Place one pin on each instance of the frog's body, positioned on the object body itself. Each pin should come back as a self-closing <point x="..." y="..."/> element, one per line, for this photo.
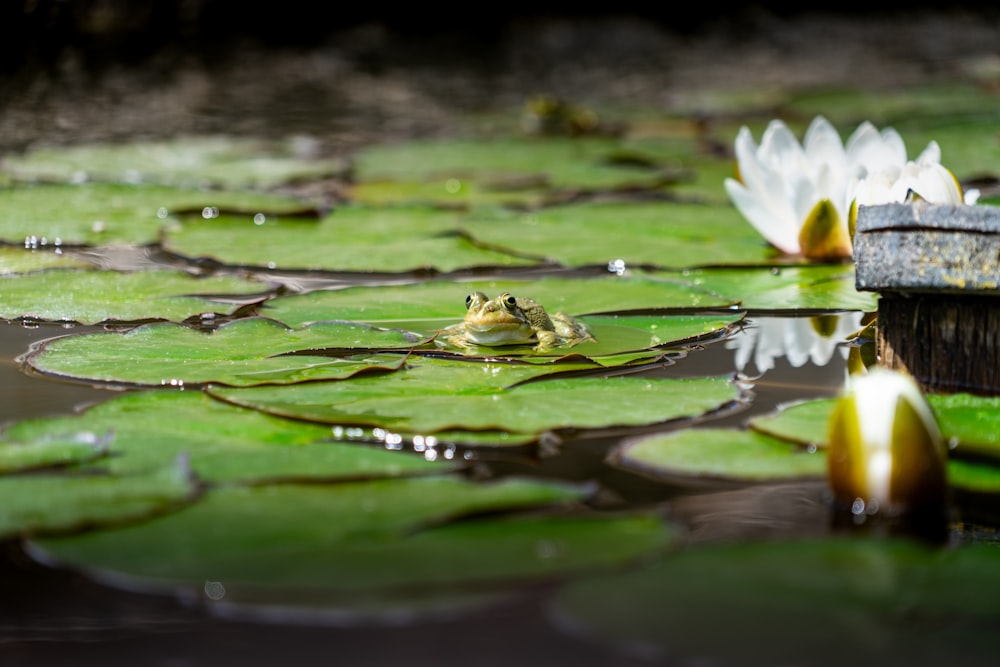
<point x="507" y="320"/>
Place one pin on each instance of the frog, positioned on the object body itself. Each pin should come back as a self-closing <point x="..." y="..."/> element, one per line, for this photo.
<point x="510" y="320"/>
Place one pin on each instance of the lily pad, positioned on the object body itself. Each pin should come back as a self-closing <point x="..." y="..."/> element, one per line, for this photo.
<point x="659" y="234"/>
<point x="102" y="213"/>
<point x="723" y="454"/>
<point x="92" y="297"/>
<point x="788" y="288"/>
<point x="348" y="239"/>
<point x="855" y="598"/>
<point x="236" y="533"/>
<point x="234" y="536"/>
<point x="49" y="503"/>
<point x="202" y="161"/>
<point x="223" y="443"/>
<point x="507" y="165"/>
<point x="53" y="451"/>
<point x="436" y="304"/>
<point x="25" y="260"/>
<point x="433" y="395"/>
<point x="240" y="353"/>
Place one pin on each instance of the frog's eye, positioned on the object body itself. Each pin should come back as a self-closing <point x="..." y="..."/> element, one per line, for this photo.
<point x="468" y="302"/>
<point x="509" y="301"/>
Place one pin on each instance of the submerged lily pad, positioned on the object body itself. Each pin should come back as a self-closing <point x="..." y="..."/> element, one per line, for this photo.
<point x="444" y="301"/>
<point x="223" y="443"/>
<point x="432" y="395"/>
<point x="855" y="598"/>
<point x="718" y="453"/>
<point x="101" y="213"/>
<point x="217" y="161"/>
<point x="92" y="297"/>
<point x="663" y="234"/>
<point x="240" y="353"/>
<point x="40" y="504"/>
<point x="348" y="239"/>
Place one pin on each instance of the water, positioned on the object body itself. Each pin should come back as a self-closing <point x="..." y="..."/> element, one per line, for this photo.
<point x="51" y="616"/>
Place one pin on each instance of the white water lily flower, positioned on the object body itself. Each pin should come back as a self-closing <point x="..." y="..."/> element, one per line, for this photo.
<point x="886" y="451"/>
<point x="801" y="197"/>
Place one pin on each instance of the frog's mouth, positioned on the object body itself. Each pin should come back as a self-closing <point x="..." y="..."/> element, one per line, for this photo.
<point x="502" y="332"/>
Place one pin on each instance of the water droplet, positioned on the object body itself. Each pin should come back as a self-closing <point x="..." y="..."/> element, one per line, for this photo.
<point x="214" y="590"/>
<point x="162" y="212"/>
<point x="452" y="186"/>
<point x="858" y="507"/>
<point x="259" y="219"/>
<point x="210" y="212"/>
<point x="617" y="266"/>
<point x="97" y="226"/>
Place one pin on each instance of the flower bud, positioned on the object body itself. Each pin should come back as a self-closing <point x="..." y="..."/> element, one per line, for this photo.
<point x="886" y="452"/>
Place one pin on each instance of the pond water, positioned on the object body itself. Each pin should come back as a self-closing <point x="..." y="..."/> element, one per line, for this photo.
<point x="52" y="615"/>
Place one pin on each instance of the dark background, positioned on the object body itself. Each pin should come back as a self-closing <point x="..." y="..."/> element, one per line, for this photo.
<point x="37" y="33"/>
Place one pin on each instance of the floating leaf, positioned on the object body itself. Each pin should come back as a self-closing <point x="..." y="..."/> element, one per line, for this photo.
<point x="37" y="504"/>
<point x="661" y="234"/>
<point x="718" y="453"/>
<point x="864" y="593"/>
<point x="240" y="353"/>
<point x="507" y="166"/>
<point x="348" y="239"/>
<point x="237" y="534"/>
<point x="56" y="450"/>
<point x="445" y="301"/>
<point x="91" y="297"/>
<point x="25" y="260"/>
<point x="792" y="288"/>
<point x="203" y="161"/>
<point x="431" y="395"/>
<point x="101" y="214"/>
<point x="222" y="442"/>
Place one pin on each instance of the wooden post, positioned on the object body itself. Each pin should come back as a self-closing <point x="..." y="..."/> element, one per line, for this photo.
<point x="936" y="268"/>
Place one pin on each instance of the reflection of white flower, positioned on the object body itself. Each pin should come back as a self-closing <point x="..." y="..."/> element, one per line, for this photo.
<point x="886" y="451"/>
<point x="798" y="339"/>
<point x="799" y="196"/>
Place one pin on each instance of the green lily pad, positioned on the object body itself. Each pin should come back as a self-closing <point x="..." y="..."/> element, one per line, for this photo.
<point x="789" y="288"/>
<point x="223" y="443"/>
<point x="102" y="214"/>
<point x="240" y="353"/>
<point x="432" y="395"/>
<point x="506" y="165"/>
<point x="655" y="234"/>
<point x="202" y="161"/>
<point x="618" y="340"/>
<point x="350" y="238"/>
<point x="26" y="260"/>
<point x="53" y="451"/>
<point x="718" y="453"/>
<point x="436" y="304"/>
<point x="44" y="504"/>
<point x="348" y="541"/>
<point x="857" y="599"/>
<point x="239" y="533"/>
<point x="92" y="297"/>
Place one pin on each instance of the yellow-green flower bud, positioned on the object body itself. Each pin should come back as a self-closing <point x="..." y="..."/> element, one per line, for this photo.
<point x="886" y="451"/>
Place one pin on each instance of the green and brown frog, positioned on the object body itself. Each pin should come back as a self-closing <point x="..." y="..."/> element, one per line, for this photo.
<point x="510" y="320"/>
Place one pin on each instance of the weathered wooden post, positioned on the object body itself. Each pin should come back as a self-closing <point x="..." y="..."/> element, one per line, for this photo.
<point x="937" y="270"/>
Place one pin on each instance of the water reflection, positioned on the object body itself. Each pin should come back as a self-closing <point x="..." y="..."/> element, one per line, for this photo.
<point x="797" y="340"/>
